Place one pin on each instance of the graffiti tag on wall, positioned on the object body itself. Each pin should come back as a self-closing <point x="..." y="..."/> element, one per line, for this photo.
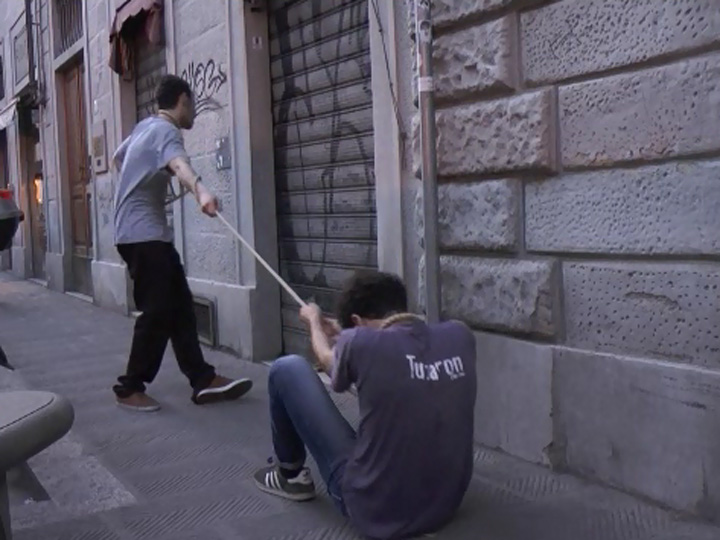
<point x="206" y="79"/>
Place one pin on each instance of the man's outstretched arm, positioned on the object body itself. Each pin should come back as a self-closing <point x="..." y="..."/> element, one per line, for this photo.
<point x="187" y="176"/>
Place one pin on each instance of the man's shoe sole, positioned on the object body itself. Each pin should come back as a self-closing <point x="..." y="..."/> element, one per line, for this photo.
<point x="298" y="497"/>
<point x="151" y="409"/>
<point x="229" y="392"/>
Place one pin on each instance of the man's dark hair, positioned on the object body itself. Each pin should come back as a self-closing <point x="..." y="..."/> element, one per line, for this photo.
<point x="169" y="90"/>
<point x="371" y="295"/>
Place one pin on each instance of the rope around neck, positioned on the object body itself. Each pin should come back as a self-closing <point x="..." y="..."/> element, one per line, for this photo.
<point x="168" y="117"/>
<point x="398" y="318"/>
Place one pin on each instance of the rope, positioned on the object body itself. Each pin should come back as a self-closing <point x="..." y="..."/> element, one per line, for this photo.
<point x="398" y="318"/>
<point x="262" y="261"/>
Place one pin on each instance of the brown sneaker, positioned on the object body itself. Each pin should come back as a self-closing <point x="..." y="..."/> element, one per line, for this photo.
<point x="222" y="389"/>
<point x="138" y="402"/>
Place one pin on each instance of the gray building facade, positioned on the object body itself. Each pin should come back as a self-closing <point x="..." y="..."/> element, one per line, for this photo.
<point x="579" y="194"/>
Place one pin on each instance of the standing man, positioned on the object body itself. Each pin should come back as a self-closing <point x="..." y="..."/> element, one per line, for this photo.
<point x="408" y="467"/>
<point x="147" y="160"/>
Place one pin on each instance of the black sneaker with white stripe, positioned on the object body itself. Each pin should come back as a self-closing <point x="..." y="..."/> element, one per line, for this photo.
<point x="300" y="488"/>
<point x="222" y="389"/>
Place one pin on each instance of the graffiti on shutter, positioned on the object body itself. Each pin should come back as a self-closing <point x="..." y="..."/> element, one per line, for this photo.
<point x="324" y="153"/>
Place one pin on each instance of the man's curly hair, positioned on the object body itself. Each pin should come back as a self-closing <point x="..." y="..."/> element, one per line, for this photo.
<point x="371" y="295"/>
<point x="169" y="90"/>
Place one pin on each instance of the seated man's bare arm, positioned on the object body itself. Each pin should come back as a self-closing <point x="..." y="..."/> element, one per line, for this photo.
<point x="321" y="337"/>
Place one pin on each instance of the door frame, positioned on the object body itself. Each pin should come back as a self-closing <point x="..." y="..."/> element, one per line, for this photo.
<point x="388" y="139"/>
<point x="37" y="246"/>
<point x="5" y="256"/>
<point x="253" y="154"/>
<point x="65" y="191"/>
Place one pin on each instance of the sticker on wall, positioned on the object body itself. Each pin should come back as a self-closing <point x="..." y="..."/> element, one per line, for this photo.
<point x="222" y="154"/>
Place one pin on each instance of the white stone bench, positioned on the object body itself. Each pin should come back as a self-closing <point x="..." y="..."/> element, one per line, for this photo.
<point x="29" y="422"/>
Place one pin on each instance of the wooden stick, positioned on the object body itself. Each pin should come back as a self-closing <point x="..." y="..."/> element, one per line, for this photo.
<point x="274" y="274"/>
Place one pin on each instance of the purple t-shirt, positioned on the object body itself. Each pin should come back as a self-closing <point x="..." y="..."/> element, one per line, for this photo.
<point x="413" y="458"/>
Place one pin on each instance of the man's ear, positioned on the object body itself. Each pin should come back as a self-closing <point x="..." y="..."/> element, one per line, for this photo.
<point x="356" y="320"/>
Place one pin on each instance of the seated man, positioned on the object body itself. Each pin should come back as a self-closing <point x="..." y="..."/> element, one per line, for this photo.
<point x="408" y="467"/>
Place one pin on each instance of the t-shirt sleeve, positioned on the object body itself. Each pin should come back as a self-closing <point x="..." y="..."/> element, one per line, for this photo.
<point x="119" y="155"/>
<point x="467" y="341"/>
<point x="343" y="370"/>
<point x="171" y="146"/>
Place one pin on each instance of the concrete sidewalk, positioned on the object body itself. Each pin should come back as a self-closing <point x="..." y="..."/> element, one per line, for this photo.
<point x="185" y="473"/>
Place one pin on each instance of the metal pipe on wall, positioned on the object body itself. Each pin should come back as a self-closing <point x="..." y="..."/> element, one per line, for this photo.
<point x="426" y="97"/>
<point x="29" y="35"/>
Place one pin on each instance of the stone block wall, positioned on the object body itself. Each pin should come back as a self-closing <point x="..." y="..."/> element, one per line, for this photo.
<point x="200" y="52"/>
<point x="202" y="58"/>
<point x="12" y="17"/>
<point x="101" y="108"/>
<point x="43" y="57"/>
<point x="579" y="209"/>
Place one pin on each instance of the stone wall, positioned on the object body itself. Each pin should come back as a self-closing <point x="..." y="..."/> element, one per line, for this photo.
<point x="48" y="143"/>
<point x="12" y="18"/>
<point x="578" y="154"/>
<point x="101" y="108"/>
<point x="9" y="15"/>
<point x="201" y="38"/>
<point x="197" y="49"/>
<point x="200" y="52"/>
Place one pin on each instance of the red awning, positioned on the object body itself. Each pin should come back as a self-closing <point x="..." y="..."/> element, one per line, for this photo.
<point x="134" y="19"/>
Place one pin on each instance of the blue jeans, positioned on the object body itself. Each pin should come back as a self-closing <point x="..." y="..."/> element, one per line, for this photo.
<point x="303" y="415"/>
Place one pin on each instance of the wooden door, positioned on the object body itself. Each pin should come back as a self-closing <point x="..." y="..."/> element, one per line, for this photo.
<point x="78" y="177"/>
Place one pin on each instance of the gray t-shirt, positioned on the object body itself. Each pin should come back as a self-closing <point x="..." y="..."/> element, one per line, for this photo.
<point x="140" y="195"/>
<point x="413" y="458"/>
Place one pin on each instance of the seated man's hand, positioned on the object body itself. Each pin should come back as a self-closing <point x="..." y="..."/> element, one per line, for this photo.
<point x="311" y="314"/>
<point x="331" y="328"/>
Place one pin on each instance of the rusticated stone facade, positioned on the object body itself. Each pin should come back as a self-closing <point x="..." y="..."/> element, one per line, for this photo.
<point x="579" y="212"/>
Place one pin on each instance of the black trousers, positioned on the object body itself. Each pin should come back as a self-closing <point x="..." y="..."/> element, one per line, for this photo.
<point x="163" y="297"/>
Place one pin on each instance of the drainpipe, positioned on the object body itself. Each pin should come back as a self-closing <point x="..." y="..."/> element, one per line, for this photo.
<point x="31" y="46"/>
<point x="38" y="51"/>
<point x="426" y="97"/>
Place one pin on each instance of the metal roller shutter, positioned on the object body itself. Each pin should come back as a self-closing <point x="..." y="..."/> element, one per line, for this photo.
<point x="149" y="68"/>
<point x="324" y="155"/>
